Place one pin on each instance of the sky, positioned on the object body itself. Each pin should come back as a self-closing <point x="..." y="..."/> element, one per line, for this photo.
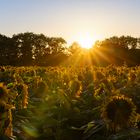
<point x="71" y="18"/>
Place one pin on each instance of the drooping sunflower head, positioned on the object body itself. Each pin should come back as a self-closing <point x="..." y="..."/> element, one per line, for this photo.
<point x="98" y="75"/>
<point x="119" y="113"/>
<point x="75" y="87"/>
<point x="3" y="91"/>
<point x="41" y="86"/>
<point x="132" y="76"/>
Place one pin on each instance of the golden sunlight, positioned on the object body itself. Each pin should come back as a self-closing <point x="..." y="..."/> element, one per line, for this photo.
<point x="85" y="40"/>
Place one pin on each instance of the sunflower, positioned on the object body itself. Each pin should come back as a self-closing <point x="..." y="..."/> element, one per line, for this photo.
<point x="22" y="98"/>
<point x="5" y="111"/>
<point x="3" y="91"/>
<point x="119" y="113"/>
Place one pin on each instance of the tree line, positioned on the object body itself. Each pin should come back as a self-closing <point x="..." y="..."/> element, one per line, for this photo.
<point x="118" y="50"/>
<point x="26" y="49"/>
<point x="114" y="50"/>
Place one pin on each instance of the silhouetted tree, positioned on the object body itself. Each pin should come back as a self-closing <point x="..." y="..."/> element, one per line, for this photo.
<point x="74" y="48"/>
<point x="7" y="51"/>
<point x="55" y="51"/>
<point x="116" y="50"/>
<point x="37" y="49"/>
<point x="56" y="44"/>
<point x="40" y="49"/>
<point x="24" y="43"/>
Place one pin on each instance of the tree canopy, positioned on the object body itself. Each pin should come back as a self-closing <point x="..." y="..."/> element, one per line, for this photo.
<point x="25" y="49"/>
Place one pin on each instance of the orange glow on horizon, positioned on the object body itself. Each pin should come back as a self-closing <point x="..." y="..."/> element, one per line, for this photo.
<point x="85" y="39"/>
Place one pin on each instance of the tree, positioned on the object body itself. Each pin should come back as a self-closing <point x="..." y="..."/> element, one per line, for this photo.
<point x="40" y="49"/>
<point x="117" y="50"/>
<point x="7" y="51"/>
<point x="56" y="51"/>
<point x="74" y="48"/>
<point x="56" y="44"/>
<point x="37" y="49"/>
<point x="24" y="43"/>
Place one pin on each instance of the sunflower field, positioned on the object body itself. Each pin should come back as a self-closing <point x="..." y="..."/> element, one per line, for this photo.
<point x="70" y="103"/>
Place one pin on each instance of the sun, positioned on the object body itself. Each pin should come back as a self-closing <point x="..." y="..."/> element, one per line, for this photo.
<point x="85" y="40"/>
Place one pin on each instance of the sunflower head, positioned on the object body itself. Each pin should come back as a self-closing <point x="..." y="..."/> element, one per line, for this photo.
<point x="132" y="76"/>
<point x="75" y="87"/>
<point x="98" y="76"/>
<point x="119" y="113"/>
<point x="3" y="91"/>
